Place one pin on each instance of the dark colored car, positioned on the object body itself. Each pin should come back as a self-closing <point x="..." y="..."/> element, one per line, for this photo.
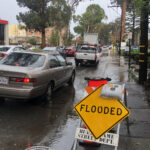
<point x="55" y="50"/>
<point x="69" y="51"/>
<point x="60" y="49"/>
<point x="51" y="49"/>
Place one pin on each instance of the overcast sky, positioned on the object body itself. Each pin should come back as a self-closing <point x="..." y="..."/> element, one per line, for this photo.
<point x="9" y="9"/>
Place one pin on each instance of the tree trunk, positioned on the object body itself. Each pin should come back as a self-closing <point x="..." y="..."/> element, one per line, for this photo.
<point x="133" y="26"/>
<point x="124" y="8"/>
<point x="143" y="55"/>
<point x="88" y="29"/>
<point x="60" y="38"/>
<point x="43" y="38"/>
<point x="122" y="28"/>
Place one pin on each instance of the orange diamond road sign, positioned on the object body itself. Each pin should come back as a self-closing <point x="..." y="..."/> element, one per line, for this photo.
<point x="100" y="114"/>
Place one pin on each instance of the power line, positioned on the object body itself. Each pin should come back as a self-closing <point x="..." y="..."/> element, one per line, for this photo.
<point x="114" y="9"/>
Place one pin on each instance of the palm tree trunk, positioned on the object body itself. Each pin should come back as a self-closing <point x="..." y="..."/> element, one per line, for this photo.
<point x="43" y="38"/>
<point x="60" y="38"/>
<point x="124" y="8"/>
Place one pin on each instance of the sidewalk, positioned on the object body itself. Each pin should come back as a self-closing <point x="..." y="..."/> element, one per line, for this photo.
<point x="138" y="101"/>
<point x="139" y="120"/>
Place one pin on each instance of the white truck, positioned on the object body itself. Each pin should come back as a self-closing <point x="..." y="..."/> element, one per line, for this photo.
<point x="88" y="54"/>
<point x="91" y="38"/>
<point x="89" y="51"/>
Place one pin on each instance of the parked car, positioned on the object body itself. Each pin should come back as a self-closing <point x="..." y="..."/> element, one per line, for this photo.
<point x="88" y="54"/>
<point x="60" y="49"/>
<point x="7" y="49"/>
<point x="55" y="50"/>
<point x="105" y="48"/>
<point x="27" y="75"/>
<point x="52" y="49"/>
<point x="69" y="51"/>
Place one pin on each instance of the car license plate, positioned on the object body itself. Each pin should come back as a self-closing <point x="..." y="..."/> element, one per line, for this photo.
<point x="3" y="80"/>
<point x="85" y="60"/>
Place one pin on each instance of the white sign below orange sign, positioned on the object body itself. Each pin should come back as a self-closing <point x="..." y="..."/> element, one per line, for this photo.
<point x="108" y="138"/>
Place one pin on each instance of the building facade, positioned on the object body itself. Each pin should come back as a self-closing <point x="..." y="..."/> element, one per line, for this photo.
<point x="18" y="35"/>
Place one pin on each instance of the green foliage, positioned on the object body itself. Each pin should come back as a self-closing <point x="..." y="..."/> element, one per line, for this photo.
<point x="104" y="33"/>
<point x="107" y="30"/>
<point x="54" y="39"/>
<point x="61" y="13"/>
<point x="37" y="49"/>
<point x="32" y="41"/>
<point x="79" y="30"/>
<point x="44" y="13"/>
<point x="132" y="18"/>
<point x="38" y="16"/>
<point x="68" y="40"/>
<point x="140" y="3"/>
<point x="89" y="21"/>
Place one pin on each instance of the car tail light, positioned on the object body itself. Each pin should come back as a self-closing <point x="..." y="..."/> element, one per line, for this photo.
<point x="3" y="54"/>
<point x="25" y="80"/>
<point x="91" y="45"/>
<point x="95" y="56"/>
<point x="75" y="54"/>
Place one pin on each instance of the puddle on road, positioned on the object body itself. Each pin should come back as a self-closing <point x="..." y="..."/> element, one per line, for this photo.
<point x="65" y="138"/>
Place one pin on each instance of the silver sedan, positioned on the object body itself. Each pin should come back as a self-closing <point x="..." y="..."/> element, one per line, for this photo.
<point x="27" y="75"/>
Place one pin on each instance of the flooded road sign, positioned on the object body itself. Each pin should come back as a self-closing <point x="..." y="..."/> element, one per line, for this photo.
<point x="100" y="114"/>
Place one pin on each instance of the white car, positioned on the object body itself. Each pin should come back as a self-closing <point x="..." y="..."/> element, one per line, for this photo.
<point x="88" y="54"/>
<point x="7" y="49"/>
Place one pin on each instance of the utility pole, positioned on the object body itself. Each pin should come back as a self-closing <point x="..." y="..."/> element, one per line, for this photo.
<point x="129" y="65"/>
<point x="143" y="55"/>
<point x="122" y="28"/>
<point x="124" y="8"/>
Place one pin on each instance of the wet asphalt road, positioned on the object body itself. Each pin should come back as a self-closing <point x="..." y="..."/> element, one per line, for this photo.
<point x="54" y="124"/>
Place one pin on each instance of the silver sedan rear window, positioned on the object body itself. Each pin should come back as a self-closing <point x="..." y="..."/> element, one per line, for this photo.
<point x="87" y="49"/>
<point x="24" y="60"/>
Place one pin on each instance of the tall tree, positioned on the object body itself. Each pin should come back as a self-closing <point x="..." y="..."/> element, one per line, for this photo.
<point x="38" y="16"/>
<point x="109" y="32"/>
<point x="42" y="14"/>
<point x="123" y="4"/>
<point x="89" y="21"/>
<point x="54" y="39"/>
<point x="132" y="19"/>
<point x="62" y="16"/>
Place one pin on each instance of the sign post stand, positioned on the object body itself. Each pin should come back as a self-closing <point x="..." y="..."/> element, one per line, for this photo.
<point x="100" y="115"/>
